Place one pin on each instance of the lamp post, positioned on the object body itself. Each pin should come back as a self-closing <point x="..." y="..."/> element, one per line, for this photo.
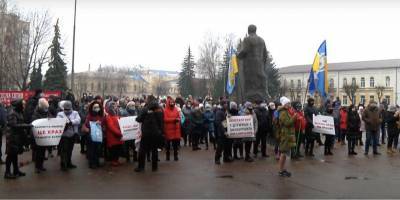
<point x="73" y="53"/>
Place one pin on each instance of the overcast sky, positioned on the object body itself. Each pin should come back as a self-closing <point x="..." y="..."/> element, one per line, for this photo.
<point x="157" y="33"/>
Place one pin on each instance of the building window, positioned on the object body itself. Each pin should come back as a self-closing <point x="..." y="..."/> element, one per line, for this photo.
<point x="353" y="81"/>
<point x="362" y="99"/>
<point x="387" y="100"/>
<point x="344" y="100"/>
<point x="371" y="82"/>
<point x="291" y="84"/>
<point x="372" y="97"/>
<point x="299" y="83"/>
<point x="331" y="83"/>
<point x="362" y="82"/>
<point x="344" y="81"/>
<point x="387" y="81"/>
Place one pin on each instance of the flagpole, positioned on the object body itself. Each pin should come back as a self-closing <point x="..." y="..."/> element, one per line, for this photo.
<point x="305" y="94"/>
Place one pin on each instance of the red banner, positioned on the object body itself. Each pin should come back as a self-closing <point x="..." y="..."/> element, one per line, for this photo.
<point x="6" y="96"/>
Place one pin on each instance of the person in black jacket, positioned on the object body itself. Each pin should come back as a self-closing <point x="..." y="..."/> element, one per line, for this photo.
<point x="353" y="128"/>
<point x="263" y="127"/>
<point x="224" y="144"/>
<point x="42" y="111"/>
<point x="152" y="138"/>
<point x="393" y="132"/>
<point x="18" y="130"/>
<point x="3" y="123"/>
<point x="309" y="111"/>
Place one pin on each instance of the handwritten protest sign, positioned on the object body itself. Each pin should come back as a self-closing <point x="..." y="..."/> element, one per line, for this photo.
<point x="240" y="126"/>
<point x="48" y="132"/>
<point x="324" y="124"/>
<point x="130" y="128"/>
<point x="96" y="134"/>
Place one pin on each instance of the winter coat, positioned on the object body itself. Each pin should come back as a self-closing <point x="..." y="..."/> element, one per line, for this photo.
<point x="94" y="118"/>
<point x="197" y="122"/>
<point x="75" y="120"/>
<point x="187" y="112"/>
<point x="301" y="123"/>
<point x="30" y="108"/>
<point x="3" y="116"/>
<point x="287" y="138"/>
<point x="17" y="133"/>
<point x="209" y="119"/>
<point x="309" y="111"/>
<point x="220" y="129"/>
<point x="343" y="119"/>
<point x="123" y="112"/>
<point x="151" y="117"/>
<point x="263" y="121"/>
<point x="362" y="124"/>
<point x="372" y="119"/>
<point x="113" y="132"/>
<point x="353" y="123"/>
<point x="172" y="123"/>
<point x="391" y="120"/>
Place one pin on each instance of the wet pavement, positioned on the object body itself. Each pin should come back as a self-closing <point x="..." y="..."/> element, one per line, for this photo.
<point x="196" y="176"/>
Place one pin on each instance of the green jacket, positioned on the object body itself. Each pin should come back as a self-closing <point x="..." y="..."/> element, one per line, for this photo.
<point x="287" y="138"/>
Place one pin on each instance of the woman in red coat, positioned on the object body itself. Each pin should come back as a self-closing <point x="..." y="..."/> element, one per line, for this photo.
<point x="343" y="124"/>
<point x="172" y="128"/>
<point x="113" y="134"/>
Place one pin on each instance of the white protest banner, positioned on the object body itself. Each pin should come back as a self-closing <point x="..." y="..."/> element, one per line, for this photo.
<point x="48" y="131"/>
<point x="323" y="124"/>
<point x="240" y="126"/>
<point x="130" y="128"/>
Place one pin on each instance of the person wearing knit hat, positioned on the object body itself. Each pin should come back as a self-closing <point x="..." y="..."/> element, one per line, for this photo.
<point x="284" y="100"/>
<point x="393" y="131"/>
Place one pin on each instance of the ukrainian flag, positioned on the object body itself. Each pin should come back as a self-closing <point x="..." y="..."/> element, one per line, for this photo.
<point x="318" y="79"/>
<point x="232" y="71"/>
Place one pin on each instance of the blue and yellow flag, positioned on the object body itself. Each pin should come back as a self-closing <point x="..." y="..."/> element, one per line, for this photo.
<point x="318" y="79"/>
<point x="232" y="71"/>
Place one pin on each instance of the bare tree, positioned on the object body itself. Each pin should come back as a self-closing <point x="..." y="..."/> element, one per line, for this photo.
<point x="351" y="91"/>
<point x="379" y="92"/>
<point x="210" y="59"/>
<point x="23" y="46"/>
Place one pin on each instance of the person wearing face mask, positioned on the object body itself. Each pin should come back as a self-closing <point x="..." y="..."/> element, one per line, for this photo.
<point x="372" y="119"/>
<point x="14" y="144"/>
<point x="96" y="115"/>
<point x="113" y="134"/>
<point x="172" y="128"/>
<point x="66" y="145"/>
<point x="287" y="139"/>
<point x="353" y="128"/>
<point x="309" y="111"/>
<point x="41" y="112"/>
<point x="130" y="144"/>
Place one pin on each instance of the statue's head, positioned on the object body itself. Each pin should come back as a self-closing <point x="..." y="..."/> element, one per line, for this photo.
<point x="252" y="29"/>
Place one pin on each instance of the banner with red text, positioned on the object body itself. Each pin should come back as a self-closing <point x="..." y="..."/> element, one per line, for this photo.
<point x="6" y="96"/>
<point x="130" y="128"/>
<point x="48" y="131"/>
<point x="323" y="124"/>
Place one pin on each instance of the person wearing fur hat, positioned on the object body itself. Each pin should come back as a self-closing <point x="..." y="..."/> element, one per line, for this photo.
<point x="393" y="131"/>
<point x="42" y="111"/>
<point x="67" y="139"/>
<point x="287" y="139"/>
<point x="14" y="144"/>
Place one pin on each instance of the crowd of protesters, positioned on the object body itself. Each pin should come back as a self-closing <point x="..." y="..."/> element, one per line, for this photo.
<point x="167" y="124"/>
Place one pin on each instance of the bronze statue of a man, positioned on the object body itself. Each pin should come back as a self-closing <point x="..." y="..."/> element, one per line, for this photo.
<point x="252" y="56"/>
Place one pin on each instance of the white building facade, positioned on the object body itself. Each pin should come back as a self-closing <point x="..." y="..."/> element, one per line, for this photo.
<point x="368" y="75"/>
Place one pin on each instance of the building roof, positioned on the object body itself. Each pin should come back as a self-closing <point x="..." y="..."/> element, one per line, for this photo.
<point x="345" y="66"/>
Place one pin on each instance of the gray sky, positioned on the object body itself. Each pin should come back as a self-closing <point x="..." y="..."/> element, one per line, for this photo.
<point x="157" y="33"/>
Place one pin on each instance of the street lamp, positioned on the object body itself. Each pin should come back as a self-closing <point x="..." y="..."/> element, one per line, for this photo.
<point x="73" y="54"/>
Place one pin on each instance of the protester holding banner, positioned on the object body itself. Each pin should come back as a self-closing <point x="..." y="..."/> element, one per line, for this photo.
<point x="287" y="138"/>
<point x="95" y="115"/>
<point x="113" y="133"/>
<point x="18" y="129"/>
<point x="309" y="111"/>
<point x="67" y="142"/>
<point x="130" y="144"/>
<point x="41" y="112"/>
<point x="172" y="128"/>
<point x="248" y="141"/>
<point x="224" y="144"/>
<point x="353" y="129"/>
<point x="152" y="138"/>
